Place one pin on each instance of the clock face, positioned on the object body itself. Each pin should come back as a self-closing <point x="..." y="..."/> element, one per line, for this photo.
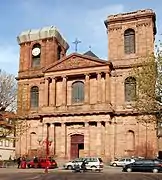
<point x="36" y="51"/>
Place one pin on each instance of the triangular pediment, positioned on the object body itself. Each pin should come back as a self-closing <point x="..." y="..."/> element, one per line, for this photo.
<point x="75" y="61"/>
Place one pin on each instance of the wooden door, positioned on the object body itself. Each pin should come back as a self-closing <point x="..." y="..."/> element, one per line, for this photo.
<point x="75" y="140"/>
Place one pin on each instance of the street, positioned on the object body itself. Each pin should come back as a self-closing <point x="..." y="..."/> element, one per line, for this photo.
<point x="109" y="173"/>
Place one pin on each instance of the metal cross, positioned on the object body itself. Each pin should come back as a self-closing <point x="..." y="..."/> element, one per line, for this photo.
<point x="76" y="42"/>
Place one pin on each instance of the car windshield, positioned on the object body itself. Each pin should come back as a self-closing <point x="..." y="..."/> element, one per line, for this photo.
<point x="122" y="160"/>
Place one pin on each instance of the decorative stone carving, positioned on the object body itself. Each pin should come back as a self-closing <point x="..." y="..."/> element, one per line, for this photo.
<point x="76" y="126"/>
<point x="114" y="28"/>
<point x="75" y="62"/>
<point x="143" y="24"/>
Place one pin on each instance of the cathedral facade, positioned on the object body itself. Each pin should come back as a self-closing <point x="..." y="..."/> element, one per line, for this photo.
<point x="79" y="101"/>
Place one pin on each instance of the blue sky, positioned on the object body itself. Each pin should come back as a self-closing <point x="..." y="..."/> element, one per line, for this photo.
<point x="83" y="19"/>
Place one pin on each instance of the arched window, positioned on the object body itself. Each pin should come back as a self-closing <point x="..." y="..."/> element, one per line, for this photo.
<point x="34" y="97"/>
<point x="78" y="92"/>
<point x="130" y="89"/>
<point x="36" y="55"/>
<point x="129" y="41"/>
<point x="58" y="52"/>
<point x="130" y="140"/>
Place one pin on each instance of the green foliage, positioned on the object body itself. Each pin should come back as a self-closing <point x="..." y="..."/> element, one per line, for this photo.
<point x="148" y="75"/>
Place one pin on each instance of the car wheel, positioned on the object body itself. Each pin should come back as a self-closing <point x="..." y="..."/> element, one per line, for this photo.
<point x="69" y="167"/>
<point x="93" y="168"/>
<point x="129" y="170"/>
<point x="155" y="170"/>
<point x="29" y="166"/>
<point x="114" y="164"/>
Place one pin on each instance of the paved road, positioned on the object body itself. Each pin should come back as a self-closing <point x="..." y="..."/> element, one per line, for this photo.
<point x="109" y="174"/>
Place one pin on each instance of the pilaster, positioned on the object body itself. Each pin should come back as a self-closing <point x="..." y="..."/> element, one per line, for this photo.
<point x="46" y="92"/>
<point x="98" y="139"/>
<point x="86" y="140"/>
<point x="107" y="88"/>
<point x="64" y="90"/>
<point x="99" y="95"/>
<point x="63" y="141"/>
<point x="53" y="92"/>
<point x="87" y="89"/>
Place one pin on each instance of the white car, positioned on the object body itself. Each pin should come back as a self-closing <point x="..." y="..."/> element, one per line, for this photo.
<point x="122" y="162"/>
<point x="70" y="165"/>
<point x="92" y="163"/>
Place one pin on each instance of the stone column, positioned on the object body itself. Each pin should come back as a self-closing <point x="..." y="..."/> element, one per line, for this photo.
<point x="112" y="138"/>
<point x="98" y="139"/>
<point x="99" y="95"/>
<point x="63" y="140"/>
<point x="64" y="90"/>
<point x="53" y="92"/>
<point x="52" y="135"/>
<point x="41" y="92"/>
<point x="46" y="92"/>
<point x="108" y="139"/>
<point x="107" y="88"/>
<point x="86" y="140"/>
<point x="87" y="89"/>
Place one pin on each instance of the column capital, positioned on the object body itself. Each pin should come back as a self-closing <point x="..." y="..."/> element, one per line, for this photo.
<point x="47" y="78"/>
<point x="53" y="124"/>
<point x="63" y="123"/>
<point x="48" y="124"/>
<point x="99" y="74"/>
<point x="98" y="123"/>
<point x="64" y="76"/>
<point x="53" y="77"/>
<point x="86" y="124"/>
<point x="87" y="76"/>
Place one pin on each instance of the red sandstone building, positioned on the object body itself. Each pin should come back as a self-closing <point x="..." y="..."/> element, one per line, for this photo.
<point x="86" y="101"/>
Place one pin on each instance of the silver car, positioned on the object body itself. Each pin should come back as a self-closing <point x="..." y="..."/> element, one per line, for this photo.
<point x="122" y="162"/>
<point x="92" y="163"/>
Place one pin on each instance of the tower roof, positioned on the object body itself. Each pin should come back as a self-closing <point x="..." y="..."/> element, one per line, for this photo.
<point x="139" y="14"/>
<point x="43" y="33"/>
<point x="90" y="53"/>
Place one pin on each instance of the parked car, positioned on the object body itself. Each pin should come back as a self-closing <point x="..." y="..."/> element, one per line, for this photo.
<point x="42" y="163"/>
<point x="92" y="163"/>
<point x="144" y="165"/>
<point x="121" y="162"/>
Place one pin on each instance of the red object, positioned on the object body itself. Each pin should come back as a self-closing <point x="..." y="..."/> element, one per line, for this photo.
<point x="23" y="165"/>
<point x="43" y="163"/>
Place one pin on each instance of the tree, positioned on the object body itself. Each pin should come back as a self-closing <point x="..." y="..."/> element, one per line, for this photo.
<point x="148" y="85"/>
<point x="10" y="124"/>
<point x="8" y="92"/>
<point x="148" y="74"/>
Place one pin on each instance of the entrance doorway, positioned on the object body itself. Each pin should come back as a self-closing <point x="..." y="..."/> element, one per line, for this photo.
<point x="77" y="145"/>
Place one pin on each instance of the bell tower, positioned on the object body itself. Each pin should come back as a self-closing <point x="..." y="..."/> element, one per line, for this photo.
<point x="40" y="48"/>
<point x="130" y="35"/>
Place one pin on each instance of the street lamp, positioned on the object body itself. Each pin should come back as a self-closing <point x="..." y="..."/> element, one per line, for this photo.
<point x="48" y="143"/>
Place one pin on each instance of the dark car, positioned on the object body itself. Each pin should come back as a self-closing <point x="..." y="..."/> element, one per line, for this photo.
<point x="43" y="162"/>
<point x="144" y="165"/>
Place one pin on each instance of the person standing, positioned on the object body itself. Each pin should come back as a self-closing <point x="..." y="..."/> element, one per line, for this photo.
<point x="18" y="162"/>
<point x="36" y="162"/>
